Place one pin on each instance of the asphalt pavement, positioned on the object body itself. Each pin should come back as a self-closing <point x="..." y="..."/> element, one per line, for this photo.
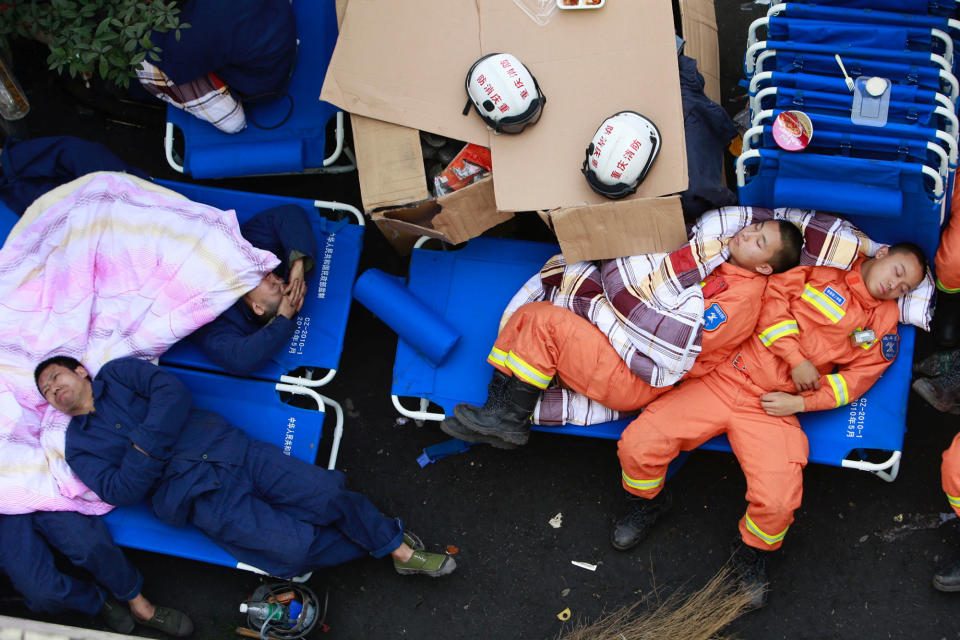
<point x="856" y="564"/>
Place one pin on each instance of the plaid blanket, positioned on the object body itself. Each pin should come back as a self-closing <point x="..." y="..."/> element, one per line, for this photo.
<point x="207" y="97"/>
<point x="648" y="305"/>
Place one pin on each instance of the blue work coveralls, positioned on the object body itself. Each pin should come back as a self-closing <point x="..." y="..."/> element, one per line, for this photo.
<point x="235" y="341"/>
<point x="28" y="543"/>
<point x="269" y="510"/>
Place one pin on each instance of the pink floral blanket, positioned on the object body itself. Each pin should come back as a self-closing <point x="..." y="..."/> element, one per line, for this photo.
<point x="111" y="270"/>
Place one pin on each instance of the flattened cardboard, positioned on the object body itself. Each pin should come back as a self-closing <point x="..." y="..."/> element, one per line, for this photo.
<point x="389" y="163"/>
<point x="590" y="65"/>
<point x="698" y="19"/>
<point x="405" y="62"/>
<point x="618" y="229"/>
<point x="453" y="218"/>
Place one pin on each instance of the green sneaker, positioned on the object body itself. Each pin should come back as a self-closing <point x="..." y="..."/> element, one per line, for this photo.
<point x="426" y="563"/>
<point x="413" y="541"/>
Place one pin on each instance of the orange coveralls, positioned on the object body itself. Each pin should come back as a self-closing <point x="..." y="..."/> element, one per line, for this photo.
<point x="808" y="313"/>
<point x="950" y="474"/>
<point x="947" y="260"/>
<point x="541" y="341"/>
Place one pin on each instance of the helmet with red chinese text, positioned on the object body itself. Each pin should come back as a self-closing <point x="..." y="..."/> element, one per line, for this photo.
<point x="504" y="93"/>
<point x="621" y="153"/>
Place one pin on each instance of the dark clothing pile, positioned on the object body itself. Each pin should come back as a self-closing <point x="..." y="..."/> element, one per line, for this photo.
<point x="250" y="44"/>
<point x="708" y="130"/>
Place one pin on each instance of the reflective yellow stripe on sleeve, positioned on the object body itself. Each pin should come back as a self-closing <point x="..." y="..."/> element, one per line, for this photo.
<point x="839" y="386"/>
<point x="953" y="500"/>
<point x="823" y="304"/>
<point x="945" y="288"/>
<point x="766" y="537"/>
<point x="774" y="332"/>
<point x="497" y="357"/>
<point x="641" y="484"/>
<point x="525" y="372"/>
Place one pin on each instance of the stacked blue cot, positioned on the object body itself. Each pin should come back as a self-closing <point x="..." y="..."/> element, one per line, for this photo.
<point x="892" y="175"/>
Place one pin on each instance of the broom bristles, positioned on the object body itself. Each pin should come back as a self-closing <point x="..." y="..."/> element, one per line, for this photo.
<point x="700" y="616"/>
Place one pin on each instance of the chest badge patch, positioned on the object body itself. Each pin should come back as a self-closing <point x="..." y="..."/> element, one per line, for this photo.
<point x="713" y="317"/>
<point x="833" y="295"/>
<point x="890" y="346"/>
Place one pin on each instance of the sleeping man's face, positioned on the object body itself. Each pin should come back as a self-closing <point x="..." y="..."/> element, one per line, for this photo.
<point x="890" y="274"/>
<point x="755" y="245"/>
<point x="264" y="299"/>
<point x="67" y="390"/>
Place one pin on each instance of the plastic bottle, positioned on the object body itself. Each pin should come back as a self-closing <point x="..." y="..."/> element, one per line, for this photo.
<point x="13" y="102"/>
<point x="263" y="610"/>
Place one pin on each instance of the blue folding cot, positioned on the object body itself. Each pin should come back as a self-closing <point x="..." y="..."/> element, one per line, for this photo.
<point x="251" y="405"/>
<point x="470" y="288"/>
<point x="298" y="144"/>
<point x="318" y="343"/>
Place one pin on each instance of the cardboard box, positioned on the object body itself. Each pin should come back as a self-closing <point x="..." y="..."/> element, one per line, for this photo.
<point x="619" y="228"/>
<point x="403" y="64"/>
<point x="393" y="190"/>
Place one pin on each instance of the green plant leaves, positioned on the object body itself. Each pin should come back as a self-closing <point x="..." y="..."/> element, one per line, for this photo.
<point x="107" y="37"/>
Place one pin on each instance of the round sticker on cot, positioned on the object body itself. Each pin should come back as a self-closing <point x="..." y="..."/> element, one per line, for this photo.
<point x="792" y="130"/>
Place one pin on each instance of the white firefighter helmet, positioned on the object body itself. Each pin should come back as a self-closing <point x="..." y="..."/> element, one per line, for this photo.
<point x="504" y="93"/>
<point x="621" y="153"/>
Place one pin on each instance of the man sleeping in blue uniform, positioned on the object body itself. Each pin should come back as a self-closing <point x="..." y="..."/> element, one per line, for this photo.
<point x="29" y="543"/>
<point x="258" y="326"/>
<point x="134" y="435"/>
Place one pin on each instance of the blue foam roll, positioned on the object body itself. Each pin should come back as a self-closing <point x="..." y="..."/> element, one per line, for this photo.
<point x="419" y="326"/>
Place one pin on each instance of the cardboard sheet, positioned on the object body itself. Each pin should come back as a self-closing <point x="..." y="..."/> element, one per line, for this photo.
<point x="389" y="163"/>
<point x="618" y="229"/>
<point x="404" y="62"/>
<point x="589" y="64"/>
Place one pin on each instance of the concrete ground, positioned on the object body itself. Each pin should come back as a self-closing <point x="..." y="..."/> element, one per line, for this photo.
<point x="849" y="567"/>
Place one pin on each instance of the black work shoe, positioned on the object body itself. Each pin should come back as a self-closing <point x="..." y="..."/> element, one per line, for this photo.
<point x="947" y="579"/>
<point x="749" y="566"/>
<point x="638" y="519"/>
<point x="116" y="616"/>
<point x="506" y="414"/>
<point x="452" y="427"/>
<point x="946" y="320"/>
<point x="170" y="621"/>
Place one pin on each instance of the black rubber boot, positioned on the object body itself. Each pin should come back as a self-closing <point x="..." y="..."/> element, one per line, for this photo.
<point x="452" y="427"/>
<point x="638" y="519"/>
<point x="506" y="414"/>
<point x="948" y="579"/>
<point x="749" y="567"/>
<point x="946" y="320"/>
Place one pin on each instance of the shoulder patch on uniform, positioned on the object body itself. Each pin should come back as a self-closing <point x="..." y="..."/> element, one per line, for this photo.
<point x="713" y="317"/>
<point x="831" y="293"/>
<point x="890" y="346"/>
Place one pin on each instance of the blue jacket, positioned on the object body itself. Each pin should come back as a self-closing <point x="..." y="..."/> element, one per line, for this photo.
<point x="250" y="44"/>
<point x="138" y="403"/>
<point x="235" y="341"/>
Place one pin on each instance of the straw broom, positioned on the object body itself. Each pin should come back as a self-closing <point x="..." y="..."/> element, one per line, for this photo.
<point x="700" y="616"/>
